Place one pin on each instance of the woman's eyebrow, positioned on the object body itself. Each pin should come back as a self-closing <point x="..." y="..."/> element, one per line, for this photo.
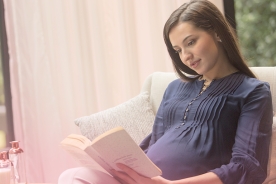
<point x="183" y="40"/>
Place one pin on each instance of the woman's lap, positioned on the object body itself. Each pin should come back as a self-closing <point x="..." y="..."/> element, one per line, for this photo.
<point x="84" y="175"/>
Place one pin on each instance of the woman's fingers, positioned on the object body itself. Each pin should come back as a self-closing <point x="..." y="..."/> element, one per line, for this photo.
<point x="129" y="176"/>
<point x="131" y="173"/>
<point x="123" y="177"/>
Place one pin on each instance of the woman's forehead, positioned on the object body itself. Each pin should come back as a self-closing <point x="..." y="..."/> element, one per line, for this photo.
<point x="183" y="30"/>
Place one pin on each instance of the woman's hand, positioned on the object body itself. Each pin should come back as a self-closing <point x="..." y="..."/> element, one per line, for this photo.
<point x="131" y="177"/>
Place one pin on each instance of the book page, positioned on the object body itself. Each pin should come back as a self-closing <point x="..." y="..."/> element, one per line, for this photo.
<point x="81" y="156"/>
<point x="80" y="148"/>
<point x="118" y="147"/>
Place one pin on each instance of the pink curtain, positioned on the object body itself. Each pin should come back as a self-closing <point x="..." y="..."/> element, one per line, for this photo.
<point x="71" y="58"/>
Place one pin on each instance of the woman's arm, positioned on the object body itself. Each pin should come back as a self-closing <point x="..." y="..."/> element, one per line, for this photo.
<point x="131" y="177"/>
<point x="251" y="148"/>
<point x="208" y="178"/>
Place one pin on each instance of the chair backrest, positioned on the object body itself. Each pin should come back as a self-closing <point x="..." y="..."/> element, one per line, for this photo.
<point x="156" y="85"/>
<point x="267" y="74"/>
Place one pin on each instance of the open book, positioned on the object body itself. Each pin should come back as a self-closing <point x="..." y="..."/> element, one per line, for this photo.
<point x="111" y="147"/>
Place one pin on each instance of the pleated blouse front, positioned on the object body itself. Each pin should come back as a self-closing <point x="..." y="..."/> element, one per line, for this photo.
<point x="194" y="134"/>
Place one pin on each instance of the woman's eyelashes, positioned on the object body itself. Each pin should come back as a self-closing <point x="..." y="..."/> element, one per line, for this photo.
<point x="190" y="43"/>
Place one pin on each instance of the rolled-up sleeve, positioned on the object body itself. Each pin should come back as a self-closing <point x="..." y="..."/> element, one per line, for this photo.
<point x="250" y="151"/>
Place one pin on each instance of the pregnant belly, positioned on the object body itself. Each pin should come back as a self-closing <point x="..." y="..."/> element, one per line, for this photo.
<point x="182" y="156"/>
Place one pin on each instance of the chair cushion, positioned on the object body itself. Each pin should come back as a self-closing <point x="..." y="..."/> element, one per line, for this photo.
<point x="134" y="115"/>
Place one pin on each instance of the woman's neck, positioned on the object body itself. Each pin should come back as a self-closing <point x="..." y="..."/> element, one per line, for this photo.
<point x="222" y="70"/>
<point x="210" y="78"/>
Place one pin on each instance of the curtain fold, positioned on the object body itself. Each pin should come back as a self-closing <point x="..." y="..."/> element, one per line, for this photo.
<point x="71" y="58"/>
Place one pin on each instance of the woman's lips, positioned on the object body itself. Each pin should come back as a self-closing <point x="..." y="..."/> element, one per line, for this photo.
<point x="195" y="63"/>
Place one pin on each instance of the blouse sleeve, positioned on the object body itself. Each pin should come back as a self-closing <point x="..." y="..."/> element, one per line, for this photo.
<point x="251" y="149"/>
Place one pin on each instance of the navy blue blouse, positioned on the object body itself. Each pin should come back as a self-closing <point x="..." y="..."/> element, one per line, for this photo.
<point x="225" y="130"/>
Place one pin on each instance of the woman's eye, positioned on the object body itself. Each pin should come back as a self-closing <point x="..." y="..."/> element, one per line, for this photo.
<point x="177" y="51"/>
<point x="191" y="42"/>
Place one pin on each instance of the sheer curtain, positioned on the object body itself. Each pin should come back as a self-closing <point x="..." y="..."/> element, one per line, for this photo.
<point x="70" y="58"/>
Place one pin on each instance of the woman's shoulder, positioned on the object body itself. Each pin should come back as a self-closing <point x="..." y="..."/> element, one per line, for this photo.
<point x="180" y="87"/>
<point x="253" y="83"/>
<point x="173" y="85"/>
<point x="177" y="83"/>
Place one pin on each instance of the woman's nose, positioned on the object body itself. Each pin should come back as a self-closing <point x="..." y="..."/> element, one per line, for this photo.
<point x="185" y="56"/>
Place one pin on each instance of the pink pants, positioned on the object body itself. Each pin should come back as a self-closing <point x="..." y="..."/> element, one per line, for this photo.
<point x="84" y="175"/>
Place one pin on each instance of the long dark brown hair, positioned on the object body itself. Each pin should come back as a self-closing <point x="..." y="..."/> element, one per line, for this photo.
<point x="204" y="15"/>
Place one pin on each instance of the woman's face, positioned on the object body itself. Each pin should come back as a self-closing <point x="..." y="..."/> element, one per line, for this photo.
<point x="197" y="49"/>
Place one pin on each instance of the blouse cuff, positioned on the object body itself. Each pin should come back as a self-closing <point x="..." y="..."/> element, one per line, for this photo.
<point x="240" y="171"/>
